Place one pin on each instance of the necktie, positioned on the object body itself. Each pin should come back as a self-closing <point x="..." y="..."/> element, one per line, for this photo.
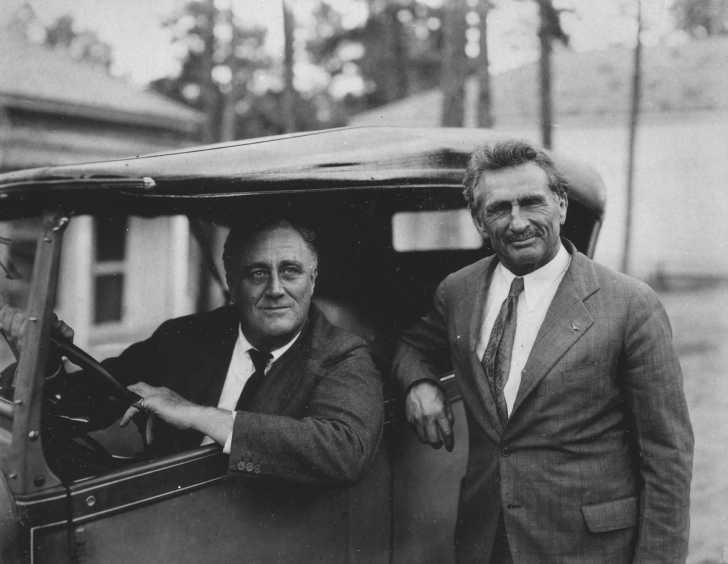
<point x="260" y="361"/>
<point x="497" y="356"/>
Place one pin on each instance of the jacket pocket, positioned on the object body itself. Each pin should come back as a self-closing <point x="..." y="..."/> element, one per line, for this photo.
<point x="610" y="515"/>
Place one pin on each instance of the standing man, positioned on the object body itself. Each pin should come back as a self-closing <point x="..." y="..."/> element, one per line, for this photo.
<point x="283" y="391"/>
<point x="580" y="445"/>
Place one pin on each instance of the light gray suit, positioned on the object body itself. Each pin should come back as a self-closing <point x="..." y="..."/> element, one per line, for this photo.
<point x="594" y="464"/>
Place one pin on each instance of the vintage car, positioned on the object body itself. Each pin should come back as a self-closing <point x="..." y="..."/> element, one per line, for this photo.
<point x="114" y="248"/>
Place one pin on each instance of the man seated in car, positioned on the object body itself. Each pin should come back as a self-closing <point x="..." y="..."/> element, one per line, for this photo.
<point x="283" y="391"/>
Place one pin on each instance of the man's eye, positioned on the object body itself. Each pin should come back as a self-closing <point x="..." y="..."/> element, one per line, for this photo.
<point x="494" y="211"/>
<point x="291" y="272"/>
<point x="258" y="275"/>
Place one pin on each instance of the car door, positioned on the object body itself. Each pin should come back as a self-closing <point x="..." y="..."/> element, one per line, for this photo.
<point x="187" y="508"/>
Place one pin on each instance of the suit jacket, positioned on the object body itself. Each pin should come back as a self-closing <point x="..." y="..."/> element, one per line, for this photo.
<point x="594" y="464"/>
<point x="316" y="418"/>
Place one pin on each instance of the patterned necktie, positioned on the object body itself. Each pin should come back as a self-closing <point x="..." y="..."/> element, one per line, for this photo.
<point x="260" y="361"/>
<point x="497" y="356"/>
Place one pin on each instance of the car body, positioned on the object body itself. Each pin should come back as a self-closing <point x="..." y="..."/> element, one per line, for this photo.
<point x="391" y="223"/>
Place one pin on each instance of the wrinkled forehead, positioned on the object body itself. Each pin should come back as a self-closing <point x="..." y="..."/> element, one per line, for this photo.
<point x="513" y="183"/>
<point x="275" y="245"/>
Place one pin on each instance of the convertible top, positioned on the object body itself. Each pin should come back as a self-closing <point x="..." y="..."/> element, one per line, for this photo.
<point x="334" y="159"/>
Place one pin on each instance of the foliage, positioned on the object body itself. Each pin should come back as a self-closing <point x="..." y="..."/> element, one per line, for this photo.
<point x="62" y="33"/>
<point x="225" y="62"/>
<point x="701" y="18"/>
<point x="396" y="50"/>
<point x="551" y="22"/>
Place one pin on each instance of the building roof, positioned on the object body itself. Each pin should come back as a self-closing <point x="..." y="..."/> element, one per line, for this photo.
<point x="595" y="85"/>
<point x="37" y="78"/>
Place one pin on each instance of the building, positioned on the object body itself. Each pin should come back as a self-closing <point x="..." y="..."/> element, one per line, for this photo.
<point x="53" y="110"/>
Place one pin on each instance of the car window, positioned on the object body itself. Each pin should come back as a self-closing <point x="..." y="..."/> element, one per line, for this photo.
<point x="434" y="231"/>
<point x="122" y="276"/>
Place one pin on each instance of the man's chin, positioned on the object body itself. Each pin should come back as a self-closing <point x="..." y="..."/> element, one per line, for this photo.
<point x="522" y="260"/>
<point x="279" y="327"/>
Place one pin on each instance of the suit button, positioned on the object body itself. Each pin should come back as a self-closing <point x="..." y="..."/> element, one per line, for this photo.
<point x="241" y="466"/>
<point x="506" y="451"/>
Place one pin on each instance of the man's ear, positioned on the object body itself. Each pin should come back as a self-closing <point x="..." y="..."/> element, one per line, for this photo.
<point x="232" y="286"/>
<point x="563" y="207"/>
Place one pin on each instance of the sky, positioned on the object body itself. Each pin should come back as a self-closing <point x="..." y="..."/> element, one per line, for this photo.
<point x="142" y="47"/>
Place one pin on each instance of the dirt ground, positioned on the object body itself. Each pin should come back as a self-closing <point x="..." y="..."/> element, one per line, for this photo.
<point x="700" y="326"/>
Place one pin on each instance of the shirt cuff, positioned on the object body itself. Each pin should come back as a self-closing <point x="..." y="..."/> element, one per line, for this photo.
<point x="229" y="441"/>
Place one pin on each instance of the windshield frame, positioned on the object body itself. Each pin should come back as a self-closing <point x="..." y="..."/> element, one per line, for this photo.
<point x="24" y="464"/>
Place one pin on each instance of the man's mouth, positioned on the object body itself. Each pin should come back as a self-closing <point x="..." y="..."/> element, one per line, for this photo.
<point x="522" y="241"/>
<point x="275" y="309"/>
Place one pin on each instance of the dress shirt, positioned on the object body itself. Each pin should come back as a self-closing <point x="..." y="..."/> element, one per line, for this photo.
<point x="539" y="288"/>
<point x="240" y="370"/>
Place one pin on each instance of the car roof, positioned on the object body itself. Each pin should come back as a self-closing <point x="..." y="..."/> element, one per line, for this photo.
<point x="334" y="159"/>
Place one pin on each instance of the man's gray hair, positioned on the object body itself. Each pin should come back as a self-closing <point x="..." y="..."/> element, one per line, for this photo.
<point x="507" y="154"/>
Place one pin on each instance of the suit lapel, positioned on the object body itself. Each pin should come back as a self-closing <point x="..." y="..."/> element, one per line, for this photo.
<point x="284" y="379"/>
<point x="215" y="356"/>
<point x="567" y="319"/>
<point x="488" y="420"/>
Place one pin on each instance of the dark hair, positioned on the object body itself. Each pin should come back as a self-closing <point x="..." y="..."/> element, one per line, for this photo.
<point x="506" y="154"/>
<point x="242" y="234"/>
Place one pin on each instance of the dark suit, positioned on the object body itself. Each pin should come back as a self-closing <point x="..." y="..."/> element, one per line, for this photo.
<point x="316" y="418"/>
<point x="594" y="464"/>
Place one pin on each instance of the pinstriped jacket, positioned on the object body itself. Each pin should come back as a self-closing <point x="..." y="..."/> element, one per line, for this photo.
<point x="595" y="461"/>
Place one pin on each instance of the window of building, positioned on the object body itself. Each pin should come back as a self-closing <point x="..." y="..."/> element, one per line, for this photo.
<point x="109" y="268"/>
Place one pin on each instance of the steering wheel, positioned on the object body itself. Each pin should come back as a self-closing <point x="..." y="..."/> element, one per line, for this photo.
<point x="71" y="452"/>
<point x="92" y="366"/>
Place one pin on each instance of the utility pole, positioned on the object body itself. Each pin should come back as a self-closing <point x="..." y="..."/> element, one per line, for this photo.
<point x="632" y="139"/>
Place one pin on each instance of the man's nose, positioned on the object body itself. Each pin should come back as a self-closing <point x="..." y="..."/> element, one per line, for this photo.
<point x="274" y="288"/>
<point x="518" y="221"/>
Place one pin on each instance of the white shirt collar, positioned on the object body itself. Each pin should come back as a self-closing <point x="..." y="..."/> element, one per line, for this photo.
<point x="275" y="353"/>
<point x="537" y="283"/>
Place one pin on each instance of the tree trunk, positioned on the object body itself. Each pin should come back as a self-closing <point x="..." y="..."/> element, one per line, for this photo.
<point x="632" y="139"/>
<point x="544" y="35"/>
<point x="209" y="96"/>
<point x="289" y="92"/>
<point x="485" y="104"/>
<point x="229" y="117"/>
<point x="211" y="133"/>
<point x="454" y="64"/>
<point x="399" y="53"/>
